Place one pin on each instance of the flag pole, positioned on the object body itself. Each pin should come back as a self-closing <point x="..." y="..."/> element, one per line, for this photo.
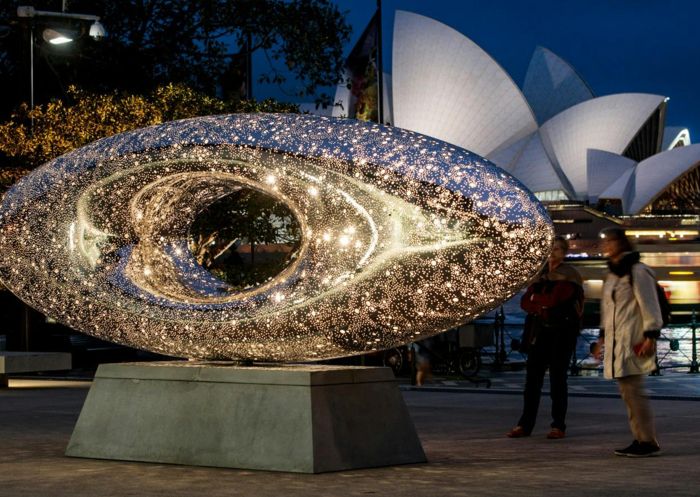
<point x="380" y="68"/>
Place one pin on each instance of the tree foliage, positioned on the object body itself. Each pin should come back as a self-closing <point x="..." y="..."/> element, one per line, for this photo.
<point x="250" y="219"/>
<point x="63" y="125"/>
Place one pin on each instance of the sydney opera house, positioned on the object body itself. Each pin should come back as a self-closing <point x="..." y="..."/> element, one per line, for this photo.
<point x="593" y="160"/>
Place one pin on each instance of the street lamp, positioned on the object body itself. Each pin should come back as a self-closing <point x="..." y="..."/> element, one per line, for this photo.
<point x="55" y="36"/>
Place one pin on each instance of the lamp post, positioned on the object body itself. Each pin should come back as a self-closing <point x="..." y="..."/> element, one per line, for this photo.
<point x="55" y="37"/>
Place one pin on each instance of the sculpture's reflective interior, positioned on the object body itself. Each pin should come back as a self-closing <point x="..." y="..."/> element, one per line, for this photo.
<point x="402" y="236"/>
<point x="245" y="238"/>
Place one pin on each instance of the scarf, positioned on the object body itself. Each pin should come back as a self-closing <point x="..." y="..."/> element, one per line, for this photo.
<point x="624" y="265"/>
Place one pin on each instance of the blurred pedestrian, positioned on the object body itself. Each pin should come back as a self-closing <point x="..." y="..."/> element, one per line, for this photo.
<point x="554" y="304"/>
<point x="421" y="354"/>
<point x="631" y="321"/>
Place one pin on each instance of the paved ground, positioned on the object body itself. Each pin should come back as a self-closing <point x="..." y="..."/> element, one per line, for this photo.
<point x="461" y="431"/>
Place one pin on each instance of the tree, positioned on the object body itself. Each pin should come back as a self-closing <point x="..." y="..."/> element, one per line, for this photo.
<point x="64" y="125"/>
<point x="246" y="219"/>
<point x="154" y="43"/>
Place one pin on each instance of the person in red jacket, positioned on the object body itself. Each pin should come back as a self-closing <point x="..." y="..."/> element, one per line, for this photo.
<point x="554" y="305"/>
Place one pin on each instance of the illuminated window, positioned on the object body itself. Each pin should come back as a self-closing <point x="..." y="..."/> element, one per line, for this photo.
<point x="551" y="195"/>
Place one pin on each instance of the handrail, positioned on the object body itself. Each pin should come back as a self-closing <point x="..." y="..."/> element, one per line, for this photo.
<point x="661" y="362"/>
<point x="668" y="359"/>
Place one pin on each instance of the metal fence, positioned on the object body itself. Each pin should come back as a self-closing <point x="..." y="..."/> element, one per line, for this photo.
<point x="677" y="347"/>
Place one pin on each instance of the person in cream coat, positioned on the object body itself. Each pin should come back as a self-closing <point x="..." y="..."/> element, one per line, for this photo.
<point x="631" y="321"/>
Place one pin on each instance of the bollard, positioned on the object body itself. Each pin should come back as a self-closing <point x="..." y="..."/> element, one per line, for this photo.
<point x="694" y="356"/>
<point x="502" y="320"/>
<point x="499" y="340"/>
<point x="574" y="370"/>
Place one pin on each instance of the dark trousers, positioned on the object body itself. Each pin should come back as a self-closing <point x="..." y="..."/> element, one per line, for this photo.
<point x="552" y="350"/>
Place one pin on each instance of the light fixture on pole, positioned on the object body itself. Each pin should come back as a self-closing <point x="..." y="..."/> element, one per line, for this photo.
<point x="58" y="37"/>
<point x="55" y="36"/>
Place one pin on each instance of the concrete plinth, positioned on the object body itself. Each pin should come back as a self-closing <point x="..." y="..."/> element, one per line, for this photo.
<point x="29" y="362"/>
<point x="307" y="419"/>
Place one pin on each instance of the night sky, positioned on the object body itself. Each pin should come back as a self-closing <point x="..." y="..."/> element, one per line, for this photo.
<point x="617" y="46"/>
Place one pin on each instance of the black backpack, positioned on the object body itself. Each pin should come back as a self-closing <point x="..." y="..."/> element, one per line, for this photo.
<point x="664" y="304"/>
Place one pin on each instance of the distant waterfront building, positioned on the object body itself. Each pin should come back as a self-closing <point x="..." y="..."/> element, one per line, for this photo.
<point x="612" y="152"/>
